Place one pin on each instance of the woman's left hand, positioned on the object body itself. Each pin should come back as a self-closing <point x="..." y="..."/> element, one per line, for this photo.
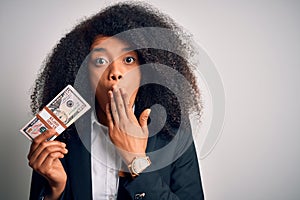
<point x="128" y="134"/>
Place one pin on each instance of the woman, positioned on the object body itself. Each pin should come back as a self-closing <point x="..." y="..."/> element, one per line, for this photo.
<point x="124" y="68"/>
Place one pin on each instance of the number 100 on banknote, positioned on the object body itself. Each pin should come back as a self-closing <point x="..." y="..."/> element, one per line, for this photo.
<point x="59" y="114"/>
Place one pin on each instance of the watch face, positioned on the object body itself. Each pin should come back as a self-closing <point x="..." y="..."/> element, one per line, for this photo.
<point x="139" y="164"/>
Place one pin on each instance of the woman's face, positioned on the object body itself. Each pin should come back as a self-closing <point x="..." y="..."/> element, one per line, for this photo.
<point x="112" y="63"/>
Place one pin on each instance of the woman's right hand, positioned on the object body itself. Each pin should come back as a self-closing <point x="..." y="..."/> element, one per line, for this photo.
<point x="44" y="158"/>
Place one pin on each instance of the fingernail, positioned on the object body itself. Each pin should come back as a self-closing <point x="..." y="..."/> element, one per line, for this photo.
<point x="114" y="87"/>
<point x="110" y="94"/>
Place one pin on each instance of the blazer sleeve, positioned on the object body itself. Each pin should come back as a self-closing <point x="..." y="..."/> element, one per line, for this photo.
<point x="38" y="186"/>
<point x="185" y="181"/>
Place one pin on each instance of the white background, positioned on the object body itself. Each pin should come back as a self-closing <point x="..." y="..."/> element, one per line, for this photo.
<point x="255" y="47"/>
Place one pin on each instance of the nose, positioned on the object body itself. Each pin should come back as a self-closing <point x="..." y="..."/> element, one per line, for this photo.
<point x="114" y="77"/>
<point x="114" y="73"/>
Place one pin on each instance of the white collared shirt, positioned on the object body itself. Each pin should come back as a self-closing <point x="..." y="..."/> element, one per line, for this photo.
<point x="105" y="163"/>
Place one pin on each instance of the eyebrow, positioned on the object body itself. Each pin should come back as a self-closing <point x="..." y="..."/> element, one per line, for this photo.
<point x="104" y="50"/>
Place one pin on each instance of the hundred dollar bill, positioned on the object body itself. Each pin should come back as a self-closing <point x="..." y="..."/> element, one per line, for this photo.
<point x="59" y="114"/>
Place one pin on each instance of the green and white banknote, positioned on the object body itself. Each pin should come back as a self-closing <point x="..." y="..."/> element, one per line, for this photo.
<point x="59" y="114"/>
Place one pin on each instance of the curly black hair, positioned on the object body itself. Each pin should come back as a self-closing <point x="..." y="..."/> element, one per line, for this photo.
<point x="61" y="67"/>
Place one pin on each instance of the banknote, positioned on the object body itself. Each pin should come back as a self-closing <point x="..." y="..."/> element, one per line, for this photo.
<point x="59" y="114"/>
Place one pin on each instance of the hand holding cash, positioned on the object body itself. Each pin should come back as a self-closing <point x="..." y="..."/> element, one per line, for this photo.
<point x="44" y="158"/>
<point x="52" y="120"/>
<point x="59" y="114"/>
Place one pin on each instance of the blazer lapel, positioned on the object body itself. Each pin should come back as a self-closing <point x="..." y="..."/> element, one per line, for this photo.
<point x="79" y="162"/>
<point x="79" y="169"/>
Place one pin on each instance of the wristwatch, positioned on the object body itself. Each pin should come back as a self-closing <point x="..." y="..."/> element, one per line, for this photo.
<point x="138" y="165"/>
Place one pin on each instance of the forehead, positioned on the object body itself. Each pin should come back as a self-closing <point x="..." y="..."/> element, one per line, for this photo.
<point x="107" y="42"/>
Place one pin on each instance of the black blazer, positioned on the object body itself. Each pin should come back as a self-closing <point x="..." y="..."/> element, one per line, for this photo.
<point x="178" y="180"/>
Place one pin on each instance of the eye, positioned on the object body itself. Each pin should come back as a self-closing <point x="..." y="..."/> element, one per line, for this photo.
<point x="129" y="60"/>
<point x="100" y="61"/>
